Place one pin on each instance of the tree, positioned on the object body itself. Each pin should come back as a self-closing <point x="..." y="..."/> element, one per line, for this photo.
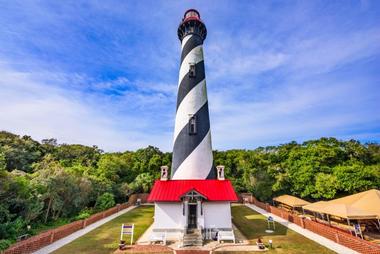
<point x="326" y="186"/>
<point x="143" y="183"/>
<point x="3" y="162"/>
<point x="70" y="155"/>
<point x="356" y="177"/>
<point x="20" y="152"/>
<point x="63" y="193"/>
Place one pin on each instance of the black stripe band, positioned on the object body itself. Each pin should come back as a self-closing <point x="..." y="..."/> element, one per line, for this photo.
<point x="185" y="143"/>
<point x="188" y="83"/>
<point x="212" y="174"/>
<point x="193" y="42"/>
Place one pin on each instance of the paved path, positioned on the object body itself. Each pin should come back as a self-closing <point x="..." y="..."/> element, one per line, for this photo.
<point x="307" y="233"/>
<point x="58" y="244"/>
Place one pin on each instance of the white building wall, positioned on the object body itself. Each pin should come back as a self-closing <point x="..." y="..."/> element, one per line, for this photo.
<point x="217" y="215"/>
<point x="169" y="216"/>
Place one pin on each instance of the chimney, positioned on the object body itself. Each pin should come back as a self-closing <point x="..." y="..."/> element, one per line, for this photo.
<point x="220" y="172"/>
<point x="164" y="173"/>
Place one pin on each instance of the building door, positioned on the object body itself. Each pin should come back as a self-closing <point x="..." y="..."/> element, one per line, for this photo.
<point x="192" y="219"/>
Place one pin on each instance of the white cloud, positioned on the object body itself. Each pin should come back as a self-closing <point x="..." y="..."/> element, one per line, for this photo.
<point x="42" y="110"/>
<point x="294" y="112"/>
<point x="326" y="52"/>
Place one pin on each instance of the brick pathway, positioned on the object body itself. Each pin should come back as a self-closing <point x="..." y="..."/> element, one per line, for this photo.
<point x="146" y="249"/>
<point x="192" y="252"/>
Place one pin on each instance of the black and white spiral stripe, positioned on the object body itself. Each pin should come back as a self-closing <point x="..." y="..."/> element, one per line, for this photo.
<point x="192" y="154"/>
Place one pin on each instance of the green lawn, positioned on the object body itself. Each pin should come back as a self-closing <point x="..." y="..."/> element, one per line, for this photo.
<point x="253" y="225"/>
<point x="105" y="239"/>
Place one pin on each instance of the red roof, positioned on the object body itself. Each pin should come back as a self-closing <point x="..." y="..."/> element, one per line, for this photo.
<point x="173" y="190"/>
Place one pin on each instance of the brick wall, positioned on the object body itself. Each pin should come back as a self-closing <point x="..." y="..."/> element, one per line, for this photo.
<point x="110" y="211"/>
<point x="123" y="206"/>
<point x="133" y="198"/>
<point x="93" y="218"/>
<point x="41" y="240"/>
<point x="334" y="234"/>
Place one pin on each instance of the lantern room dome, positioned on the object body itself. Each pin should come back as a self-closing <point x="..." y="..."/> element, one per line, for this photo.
<point x="192" y="24"/>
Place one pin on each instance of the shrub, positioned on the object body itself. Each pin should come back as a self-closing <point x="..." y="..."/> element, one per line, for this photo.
<point x="104" y="201"/>
<point x="84" y="214"/>
<point x="4" y="244"/>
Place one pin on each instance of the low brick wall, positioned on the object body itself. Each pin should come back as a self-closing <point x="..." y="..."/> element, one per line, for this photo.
<point x="35" y="243"/>
<point x="93" y="218"/>
<point x="66" y="230"/>
<point x="334" y="234"/>
<point x="133" y="198"/>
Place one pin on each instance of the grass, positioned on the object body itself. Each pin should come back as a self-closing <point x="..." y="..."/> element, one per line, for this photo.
<point x="105" y="239"/>
<point x="253" y="225"/>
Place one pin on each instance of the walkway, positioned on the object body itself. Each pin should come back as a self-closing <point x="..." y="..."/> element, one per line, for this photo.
<point x="312" y="236"/>
<point x="58" y="244"/>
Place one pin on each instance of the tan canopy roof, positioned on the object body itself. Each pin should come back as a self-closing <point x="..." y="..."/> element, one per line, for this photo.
<point x="363" y="205"/>
<point x="291" y="201"/>
<point x="315" y="206"/>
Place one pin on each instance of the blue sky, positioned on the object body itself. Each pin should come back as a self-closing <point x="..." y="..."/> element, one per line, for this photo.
<point x="105" y="72"/>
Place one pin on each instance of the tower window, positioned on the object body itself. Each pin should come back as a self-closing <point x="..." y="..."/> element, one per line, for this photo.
<point x="192" y="70"/>
<point x="193" y="125"/>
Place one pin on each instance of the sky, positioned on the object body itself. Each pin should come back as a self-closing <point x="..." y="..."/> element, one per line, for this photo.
<point x="105" y="73"/>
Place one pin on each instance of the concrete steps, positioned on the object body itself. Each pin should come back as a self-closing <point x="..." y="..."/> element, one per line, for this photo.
<point x="193" y="238"/>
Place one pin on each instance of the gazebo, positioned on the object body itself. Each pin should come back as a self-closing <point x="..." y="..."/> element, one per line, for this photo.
<point x="290" y="202"/>
<point x="361" y="206"/>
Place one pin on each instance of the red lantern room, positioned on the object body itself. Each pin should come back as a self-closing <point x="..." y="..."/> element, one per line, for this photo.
<point x="192" y="24"/>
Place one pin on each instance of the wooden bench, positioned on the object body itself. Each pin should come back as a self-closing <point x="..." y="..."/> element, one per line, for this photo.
<point x="22" y="237"/>
<point x="158" y="237"/>
<point x="226" y="236"/>
<point x="261" y="246"/>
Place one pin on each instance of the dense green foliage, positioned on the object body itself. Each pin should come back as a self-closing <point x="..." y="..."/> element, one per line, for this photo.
<point x="316" y="169"/>
<point x="43" y="183"/>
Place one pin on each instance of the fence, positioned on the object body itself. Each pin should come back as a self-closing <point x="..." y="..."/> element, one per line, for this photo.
<point x="334" y="234"/>
<point x="41" y="240"/>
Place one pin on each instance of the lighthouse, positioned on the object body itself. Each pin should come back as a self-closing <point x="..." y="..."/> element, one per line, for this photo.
<point x="192" y="151"/>
<point x="194" y="203"/>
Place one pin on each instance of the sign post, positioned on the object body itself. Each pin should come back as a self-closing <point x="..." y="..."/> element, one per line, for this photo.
<point x="271" y="224"/>
<point x="127" y="229"/>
